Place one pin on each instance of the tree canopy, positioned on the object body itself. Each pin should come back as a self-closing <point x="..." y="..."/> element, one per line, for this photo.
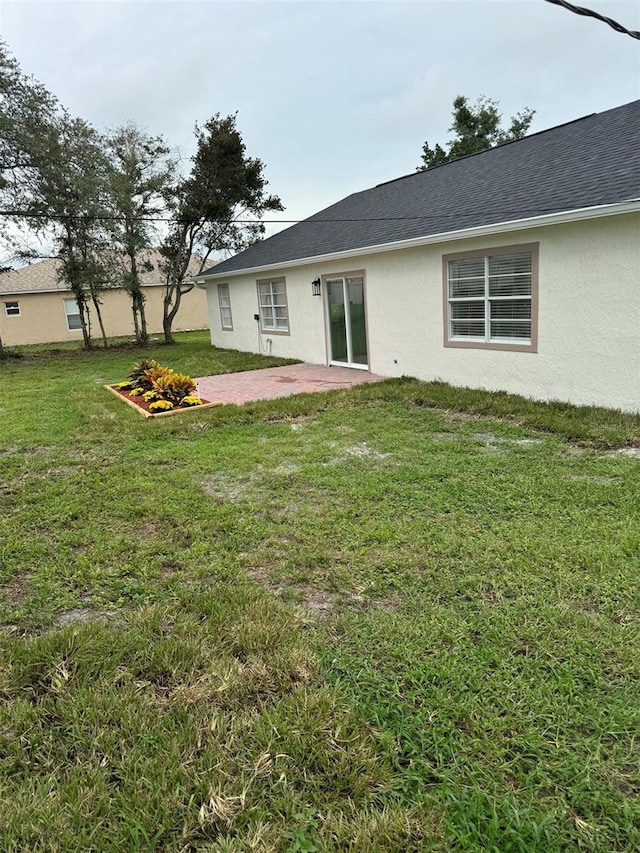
<point x="217" y="207"/>
<point x="92" y="199"/>
<point x="140" y="181"/>
<point x="477" y="127"/>
<point x="26" y="110"/>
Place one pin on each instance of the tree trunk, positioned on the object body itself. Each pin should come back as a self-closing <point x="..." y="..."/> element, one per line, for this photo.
<point x="85" y="320"/>
<point x="137" y="297"/>
<point x="173" y="288"/>
<point x="166" y="328"/>
<point x="143" y="321"/>
<point x="134" y="312"/>
<point x="170" y="311"/>
<point x="96" y="305"/>
<point x="137" y="301"/>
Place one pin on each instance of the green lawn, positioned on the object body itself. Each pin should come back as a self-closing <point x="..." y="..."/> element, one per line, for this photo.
<point x="402" y="617"/>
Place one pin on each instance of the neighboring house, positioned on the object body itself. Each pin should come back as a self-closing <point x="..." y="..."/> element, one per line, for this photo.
<point x="514" y="269"/>
<point x="36" y="308"/>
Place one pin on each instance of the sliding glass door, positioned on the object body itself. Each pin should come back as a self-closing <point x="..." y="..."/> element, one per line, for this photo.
<point x="346" y="319"/>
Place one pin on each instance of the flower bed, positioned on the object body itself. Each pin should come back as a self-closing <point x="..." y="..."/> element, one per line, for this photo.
<point x="155" y="390"/>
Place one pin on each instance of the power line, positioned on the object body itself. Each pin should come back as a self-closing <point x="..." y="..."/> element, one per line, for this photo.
<point x="588" y="13"/>
<point x="22" y="214"/>
<point x="109" y="217"/>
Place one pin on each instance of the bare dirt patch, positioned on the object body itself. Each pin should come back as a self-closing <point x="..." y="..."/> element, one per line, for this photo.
<point x="489" y="441"/>
<point x="498" y="444"/>
<point x="147" y="529"/>
<point x="310" y="601"/>
<point x="630" y="452"/>
<point x="284" y="469"/>
<point x="226" y="487"/>
<point x="444" y="436"/>
<point x="15" y="592"/>
<point x="452" y="417"/>
<point x="81" y="615"/>
<point x="248" y="486"/>
<point x="356" y="451"/>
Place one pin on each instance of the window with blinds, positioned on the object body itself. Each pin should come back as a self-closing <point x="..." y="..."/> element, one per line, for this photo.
<point x="224" y="303"/>
<point x="490" y="298"/>
<point x="272" y="302"/>
<point x="72" y="313"/>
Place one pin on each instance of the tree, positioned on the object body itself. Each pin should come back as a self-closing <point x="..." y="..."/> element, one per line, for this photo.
<point x="477" y="128"/>
<point x="26" y="109"/>
<point x="52" y="173"/>
<point x="25" y="106"/>
<point x="224" y="189"/>
<point x="67" y="203"/>
<point x="141" y="176"/>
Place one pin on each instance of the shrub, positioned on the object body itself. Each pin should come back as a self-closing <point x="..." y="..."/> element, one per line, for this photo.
<point x="174" y="386"/>
<point x="138" y="375"/>
<point x="161" y="406"/>
<point x="152" y="375"/>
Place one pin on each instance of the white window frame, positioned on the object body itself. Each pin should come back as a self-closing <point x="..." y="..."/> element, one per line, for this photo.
<point x="68" y="304"/>
<point x="224" y="304"/>
<point x="529" y="344"/>
<point x="269" y="303"/>
<point x="9" y="307"/>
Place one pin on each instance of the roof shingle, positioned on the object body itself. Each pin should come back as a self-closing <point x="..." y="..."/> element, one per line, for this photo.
<point x="592" y="161"/>
<point x="42" y="276"/>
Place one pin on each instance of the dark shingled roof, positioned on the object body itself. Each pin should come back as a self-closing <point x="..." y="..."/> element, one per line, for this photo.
<point x="592" y="161"/>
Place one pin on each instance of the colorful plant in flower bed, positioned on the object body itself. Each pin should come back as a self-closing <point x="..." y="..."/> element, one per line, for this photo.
<point x="161" y="387"/>
<point x="160" y="406"/>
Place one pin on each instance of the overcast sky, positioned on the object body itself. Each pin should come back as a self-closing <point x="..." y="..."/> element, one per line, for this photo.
<point x="334" y="96"/>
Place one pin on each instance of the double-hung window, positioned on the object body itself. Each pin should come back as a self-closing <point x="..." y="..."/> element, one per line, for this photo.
<point x="72" y="313"/>
<point x="12" y="309"/>
<point x="491" y="298"/>
<point x="224" y="303"/>
<point x="272" y="302"/>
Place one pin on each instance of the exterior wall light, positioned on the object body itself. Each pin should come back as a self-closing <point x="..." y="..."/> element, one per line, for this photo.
<point x="316" y="285"/>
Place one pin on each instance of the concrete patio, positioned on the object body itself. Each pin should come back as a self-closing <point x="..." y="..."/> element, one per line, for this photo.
<point x="274" y="382"/>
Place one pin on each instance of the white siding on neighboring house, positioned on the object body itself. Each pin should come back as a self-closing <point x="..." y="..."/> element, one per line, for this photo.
<point x="588" y="348"/>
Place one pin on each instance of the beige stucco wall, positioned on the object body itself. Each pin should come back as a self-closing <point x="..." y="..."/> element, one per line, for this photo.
<point x="43" y="320"/>
<point x="588" y="321"/>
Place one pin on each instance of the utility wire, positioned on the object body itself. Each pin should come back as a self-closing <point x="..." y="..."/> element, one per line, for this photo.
<point x="588" y="13"/>
<point x="310" y="220"/>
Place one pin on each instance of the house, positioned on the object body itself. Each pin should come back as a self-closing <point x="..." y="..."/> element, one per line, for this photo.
<point x="515" y="269"/>
<point x="36" y="308"/>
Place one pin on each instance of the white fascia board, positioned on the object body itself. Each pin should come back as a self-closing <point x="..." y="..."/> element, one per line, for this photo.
<point x="445" y="236"/>
<point x="16" y="293"/>
<point x="30" y="291"/>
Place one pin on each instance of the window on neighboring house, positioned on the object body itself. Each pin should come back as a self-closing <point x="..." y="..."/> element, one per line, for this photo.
<point x="272" y="301"/>
<point x="12" y="309"/>
<point x="491" y="298"/>
<point x="224" y="301"/>
<point x="73" y="314"/>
